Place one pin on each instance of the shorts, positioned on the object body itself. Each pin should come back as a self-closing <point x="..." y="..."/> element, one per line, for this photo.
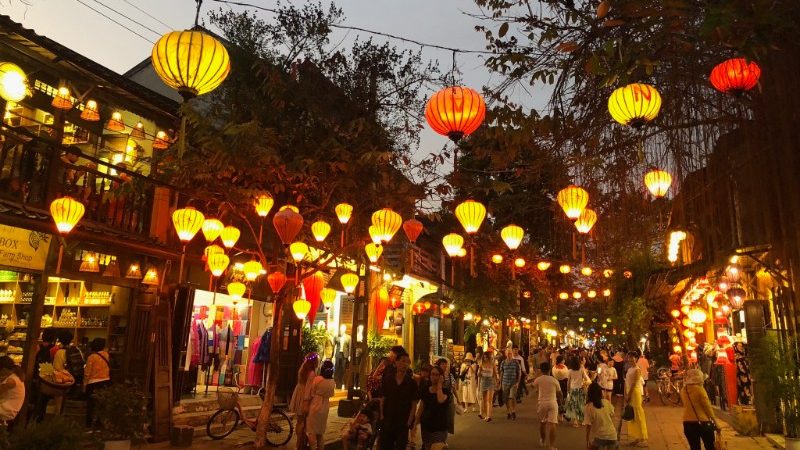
<point x="547" y="412"/>
<point x="509" y="392"/>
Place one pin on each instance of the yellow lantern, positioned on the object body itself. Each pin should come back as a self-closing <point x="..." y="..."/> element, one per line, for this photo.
<point x="675" y="313"/>
<point x="252" y="269"/>
<point x="236" y="290"/>
<point x="497" y="258"/>
<point x="212" y="250"/>
<point x="471" y="214"/>
<point x="192" y="62"/>
<point x="230" y="235"/>
<point x="211" y="229"/>
<point x="187" y="222"/>
<point x="298" y="250"/>
<point x="452" y="243"/>
<point x="573" y="200"/>
<point x="577" y="295"/>
<point x="606" y="292"/>
<point x="66" y="212"/>
<point x="697" y="315"/>
<point x="151" y="277"/>
<point x="519" y="263"/>
<point x="586" y="271"/>
<point x="634" y="104"/>
<point x="387" y="223"/>
<point x="462" y="253"/>
<point x="446" y="310"/>
<point x="375" y="234"/>
<point x="543" y="265"/>
<point x="290" y="208"/>
<point x="343" y="212"/>
<point x="217" y="263"/>
<point x="657" y="182"/>
<point x="468" y="317"/>
<point x="685" y="309"/>
<point x="320" y="229"/>
<point x="349" y="282"/>
<point x="328" y="296"/>
<point x="90" y="263"/>
<point x="13" y="82"/>
<point x="161" y="141"/>
<point x="512" y="235"/>
<point x="62" y="99"/>
<point x="563" y="295"/>
<point x="607" y="273"/>
<point x="591" y="294"/>
<point x="263" y="204"/>
<point x="586" y="221"/>
<point x="373" y="252"/>
<point x="301" y="308"/>
<point x="565" y="269"/>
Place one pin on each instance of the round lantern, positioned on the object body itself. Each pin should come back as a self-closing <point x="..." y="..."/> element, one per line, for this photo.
<point x="217" y="263"/>
<point x="67" y="212"/>
<point x="276" y="281"/>
<point x="471" y="214"/>
<point x="252" y="269"/>
<point x="563" y="295"/>
<point x="685" y="309"/>
<point x="373" y="252"/>
<point x="634" y="104"/>
<point x="573" y="200"/>
<point x="229" y="236"/>
<point x="412" y="227"/>
<point x="675" y="313"/>
<point x="418" y="308"/>
<point x="519" y="263"/>
<point x="375" y="234"/>
<point x="543" y="265"/>
<point x="328" y="296"/>
<point x="462" y="253"/>
<point x="607" y="273"/>
<point x="349" y="282"/>
<point x="236" y="290"/>
<point x="657" y="182"/>
<point x="212" y="250"/>
<point x="298" y="250"/>
<point x="13" y="82"/>
<point x="301" y="308"/>
<point x="577" y="295"/>
<point x="606" y="292"/>
<point x="452" y="243"/>
<point x="497" y="258"/>
<point x="736" y="295"/>
<point x="446" y="310"/>
<point x="455" y="112"/>
<point x="320" y="229"/>
<point x="287" y="223"/>
<point x="395" y="301"/>
<point x="312" y="287"/>
<point x="697" y="315"/>
<point x="192" y="62"/>
<point x="289" y="207"/>
<point x="211" y="229"/>
<point x="591" y="294"/>
<point x="387" y="223"/>
<point x="586" y="221"/>
<point x="586" y="271"/>
<point x="91" y="113"/>
<point x="343" y="212"/>
<point x="735" y="76"/>
<point x="565" y="269"/>
<point x="263" y="204"/>
<point x="187" y="222"/>
<point x="512" y="235"/>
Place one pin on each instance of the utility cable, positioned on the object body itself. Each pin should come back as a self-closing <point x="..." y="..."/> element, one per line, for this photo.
<point x="115" y="21"/>
<point x="157" y="33"/>
<point x="149" y="15"/>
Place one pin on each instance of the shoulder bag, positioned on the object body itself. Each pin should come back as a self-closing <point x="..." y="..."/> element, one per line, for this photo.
<point x="707" y="425"/>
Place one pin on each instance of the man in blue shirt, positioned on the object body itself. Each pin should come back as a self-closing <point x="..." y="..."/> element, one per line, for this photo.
<point x="510" y="375"/>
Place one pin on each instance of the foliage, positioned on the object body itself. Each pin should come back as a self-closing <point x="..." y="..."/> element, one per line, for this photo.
<point x="378" y="346"/>
<point x="629" y="310"/>
<point x="56" y="433"/>
<point x="313" y="339"/>
<point x="122" y="412"/>
<point x="777" y="372"/>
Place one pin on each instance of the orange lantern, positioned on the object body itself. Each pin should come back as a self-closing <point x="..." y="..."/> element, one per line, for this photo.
<point x="497" y="258"/>
<point x="161" y="141"/>
<point x="230" y="235"/>
<point x="418" y="308"/>
<point x="412" y="227"/>
<point x="657" y="182"/>
<point x="328" y="296"/>
<point x="66" y="212"/>
<point x="373" y="252"/>
<point x="217" y="263"/>
<point x="301" y="308"/>
<point x="187" y="222"/>
<point x="349" y="282"/>
<point x="455" y="112"/>
<point x="115" y="122"/>
<point x="90" y="112"/>
<point x="519" y="262"/>
<point x="573" y="200"/>
<point x="543" y="265"/>
<point x="62" y="99"/>
<point x="387" y="222"/>
<point x="263" y="204"/>
<point x="320" y="229"/>
<point x="586" y="221"/>
<point x="452" y="244"/>
<point x="211" y="229"/>
<point x="287" y="223"/>
<point x="634" y="104"/>
<point x="236" y="290"/>
<point x="380" y="298"/>
<point x="343" y="212"/>
<point x="252" y="269"/>
<point x="471" y="214"/>
<point x="512" y="235"/>
<point x="735" y="76"/>
<point x="276" y="281"/>
<point x="675" y="313"/>
<point x="312" y="287"/>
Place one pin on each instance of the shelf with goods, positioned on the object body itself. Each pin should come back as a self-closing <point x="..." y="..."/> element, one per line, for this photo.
<point x="16" y="295"/>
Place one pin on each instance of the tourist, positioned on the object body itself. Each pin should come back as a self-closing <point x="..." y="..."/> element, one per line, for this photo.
<point x="399" y="395"/>
<point x="488" y="381"/>
<point x="549" y="393"/>
<point x="644" y="367"/>
<point x="510" y="373"/>
<point x="432" y="413"/>
<point x="44" y="355"/>
<point x="618" y="358"/>
<point x="12" y="389"/>
<point x="577" y="379"/>
<point x="469" y="380"/>
<point x="298" y="403"/>
<point x="96" y="375"/>
<point x="451" y="384"/>
<point x="521" y="387"/>
<point x="598" y="416"/>
<point x="637" y="428"/>
<point x="318" y="399"/>
<point x="478" y="398"/>
<point x="359" y="432"/>
<point x="386" y="365"/>
<point x="699" y="424"/>
<point x="675" y="361"/>
<point x="606" y="376"/>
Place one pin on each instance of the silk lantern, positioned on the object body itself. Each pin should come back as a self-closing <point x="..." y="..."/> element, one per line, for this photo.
<point x="263" y="204"/>
<point x="635" y="104"/>
<point x="328" y="296"/>
<point x="288" y="224"/>
<point x="512" y="235"/>
<point x="276" y="281"/>
<point x="349" y="282"/>
<point x="380" y="297"/>
<point x="252" y="269"/>
<point x="312" y="287"/>
<point x="373" y="252"/>
<point x="657" y="182"/>
<point x="413" y="228"/>
<point x="320" y="229"/>
<point x="586" y="221"/>
<point x="471" y="215"/>
<point x="387" y="223"/>
<point x="212" y="228"/>
<point x="573" y="200"/>
<point x="452" y="243"/>
<point x="217" y="263"/>
<point x="191" y="62"/>
<point x="187" y="222"/>
<point x="455" y="112"/>
<point x="229" y="236"/>
<point x="735" y="76"/>
<point x="343" y="212"/>
<point x="301" y="308"/>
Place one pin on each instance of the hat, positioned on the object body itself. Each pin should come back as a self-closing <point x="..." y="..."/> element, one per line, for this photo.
<point x="694" y="376"/>
<point x="469" y="357"/>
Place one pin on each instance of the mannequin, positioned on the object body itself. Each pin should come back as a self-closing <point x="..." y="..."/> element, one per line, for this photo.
<point x="341" y="351"/>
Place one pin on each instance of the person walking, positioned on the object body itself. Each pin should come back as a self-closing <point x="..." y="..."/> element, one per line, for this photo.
<point x="469" y="382"/>
<point x="298" y="404"/>
<point x="398" y="396"/>
<point x="644" y="367"/>
<point x="488" y="381"/>
<point x="451" y="384"/>
<point x="618" y="359"/>
<point x="96" y="376"/>
<point x="576" y="399"/>
<point x="699" y="423"/>
<point x="521" y="387"/>
<point x="510" y="372"/>
<point x="318" y="399"/>
<point x="549" y="393"/>
<point x="637" y="428"/>
<point x="606" y="376"/>
<point x="598" y="416"/>
<point x="432" y="413"/>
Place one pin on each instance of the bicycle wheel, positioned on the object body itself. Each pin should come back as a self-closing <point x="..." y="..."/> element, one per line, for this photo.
<point x="675" y="392"/>
<point x="222" y="423"/>
<point x="279" y="429"/>
<point x="663" y="391"/>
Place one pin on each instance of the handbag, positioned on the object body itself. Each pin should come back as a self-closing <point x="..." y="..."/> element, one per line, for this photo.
<point x="708" y="425"/>
<point x="628" y="414"/>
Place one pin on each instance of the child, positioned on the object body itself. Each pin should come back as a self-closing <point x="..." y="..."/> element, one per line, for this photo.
<point x="599" y="420"/>
<point x="358" y="434"/>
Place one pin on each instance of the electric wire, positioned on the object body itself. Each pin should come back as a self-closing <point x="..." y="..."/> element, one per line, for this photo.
<point x="115" y="21"/>
<point x="149" y="15"/>
<point x="132" y="20"/>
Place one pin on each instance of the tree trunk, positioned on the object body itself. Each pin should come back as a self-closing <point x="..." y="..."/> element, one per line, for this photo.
<point x="272" y="373"/>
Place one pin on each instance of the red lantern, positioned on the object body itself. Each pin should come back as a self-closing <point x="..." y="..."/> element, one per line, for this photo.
<point x="396" y="301"/>
<point x="288" y="223"/>
<point x="312" y="286"/>
<point x="412" y="228"/>
<point x="455" y="112"/>
<point x="381" y="299"/>
<point x="418" y="308"/>
<point x="735" y="76"/>
<point x="276" y="281"/>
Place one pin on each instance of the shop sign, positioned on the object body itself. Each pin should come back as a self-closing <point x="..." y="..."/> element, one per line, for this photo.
<point x="23" y="248"/>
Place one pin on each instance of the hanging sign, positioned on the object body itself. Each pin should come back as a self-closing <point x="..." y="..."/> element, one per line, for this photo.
<point x="23" y="248"/>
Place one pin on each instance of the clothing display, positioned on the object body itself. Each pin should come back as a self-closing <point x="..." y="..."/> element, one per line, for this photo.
<point x="744" y="384"/>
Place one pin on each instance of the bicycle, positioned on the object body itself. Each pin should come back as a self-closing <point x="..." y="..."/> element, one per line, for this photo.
<point x="227" y="418"/>
<point x="669" y="387"/>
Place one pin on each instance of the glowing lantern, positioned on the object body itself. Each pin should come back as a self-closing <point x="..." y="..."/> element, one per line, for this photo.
<point x="90" y="112"/>
<point x="736" y="295"/>
<point x="151" y="277"/>
<point x="373" y="252"/>
<point x="591" y="294"/>
<point x="312" y="287"/>
<point x="581" y="319"/>
<point x="462" y="253"/>
<point x="161" y="141"/>
<point x="137" y="132"/>
<point x="212" y="250"/>
<point x="287" y="223"/>
<point x="263" y="204"/>
<point x="675" y="313"/>
<point x="627" y="274"/>
<point x="192" y="62"/>
<point x="471" y="214"/>
<point x="418" y="308"/>
<point x="211" y="229"/>
<point x="634" y="104"/>
<point x="66" y="212"/>
<point x="455" y="112"/>
<point x="607" y="273"/>
<point x="236" y="290"/>
<point x="349" y="282"/>
<point x="586" y="221"/>
<point x="395" y="301"/>
<point x="697" y="315"/>
<point x="468" y="317"/>
<point x="735" y="76"/>
<point x="375" y="234"/>
<point x="446" y="310"/>
<point x="320" y="229"/>
<point x="577" y="295"/>
<point x="187" y="222"/>
<point x="586" y="271"/>
<point x="387" y="223"/>
<point x="115" y="122"/>
<point x="13" y="82"/>
<point x="301" y="308"/>
<point x="252" y="269"/>
<point x="298" y="250"/>
<point x="685" y="309"/>
<point x="412" y="228"/>
<point x="658" y="182"/>
<point x="328" y="296"/>
<point x="512" y="235"/>
<point x="290" y="207"/>
<point x="563" y="295"/>
<point x="543" y="265"/>
<point x="217" y="263"/>
<point x="343" y="212"/>
<point x="453" y="243"/>
<point x="90" y="263"/>
<point x="519" y="262"/>
<point x="606" y="292"/>
<point x="733" y="272"/>
<point x="497" y="258"/>
<point x="565" y="269"/>
<point x="276" y="281"/>
<point x="229" y="236"/>
<point x="380" y="298"/>
<point x="62" y="99"/>
<point x="573" y="200"/>
<point x="677" y="349"/>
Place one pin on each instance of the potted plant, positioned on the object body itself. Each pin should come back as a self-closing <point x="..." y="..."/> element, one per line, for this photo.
<point x="788" y="391"/>
<point x="378" y="346"/>
<point x="122" y="413"/>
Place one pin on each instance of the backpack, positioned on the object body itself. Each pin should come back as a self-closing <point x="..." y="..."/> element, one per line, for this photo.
<point x="75" y="363"/>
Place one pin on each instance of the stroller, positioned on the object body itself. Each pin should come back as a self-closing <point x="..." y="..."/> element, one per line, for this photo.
<point x="361" y="434"/>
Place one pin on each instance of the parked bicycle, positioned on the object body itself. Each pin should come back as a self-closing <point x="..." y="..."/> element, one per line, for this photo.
<point x="227" y="418"/>
<point x="669" y="386"/>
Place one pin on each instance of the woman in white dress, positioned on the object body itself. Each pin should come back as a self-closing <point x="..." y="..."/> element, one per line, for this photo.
<point x="469" y="377"/>
<point x="320" y="393"/>
<point x="298" y="403"/>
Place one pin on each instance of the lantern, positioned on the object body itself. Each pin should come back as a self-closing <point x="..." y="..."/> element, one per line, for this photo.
<point x="418" y="308"/>
<point x="455" y="112"/>
<point x="217" y="263"/>
<point x="586" y="271"/>
<point x="606" y="292"/>
<point x="289" y="207"/>
<point x="230" y="235"/>
<point x="733" y="272"/>
<point x="675" y="313"/>
<point x="343" y="212"/>
<point x="287" y="223"/>
<point x="89" y="263"/>
<point x="134" y="272"/>
<point x="137" y="132"/>
<point x="657" y="182"/>
<point x="252" y="269"/>
<point x="446" y="310"/>
<point x="685" y="309"/>
<point x="462" y="252"/>
<point x="328" y="296"/>
<point x="380" y="298"/>
<point x="115" y="122"/>
<point x="161" y="141"/>
<point x="312" y="287"/>
<point x="192" y="62"/>
<point x="634" y="104"/>
<point x="543" y="265"/>
<point x="563" y="295"/>
<point x="373" y="252"/>
<point x="387" y="223"/>
<point x="412" y="227"/>
<point x="298" y="250"/>
<point x="375" y="234"/>
<point x="151" y="277"/>
<point x="66" y="212"/>
<point x="452" y="243"/>
<point x="468" y="317"/>
<point x="320" y="229"/>
<point x="627" y="274"/>
<point x="13" y="82"/>
<point x="301" y="308"/>
<point x="212" y="250"/>
<point x="497" y="258"/>
<point x="512" y="235"/>
<point x="263" y="204"/>
<point x="519" y="263"/>
<point x="276" y="281"/>
<point x="697" y="315"/>
<point x="211" y="229"/>
<point x="591" y="294"/>
<point x="607" y="273"/>
<point x="736" y="296"/>
<point x="349" y="282"/>
<point x="62" y="99"/>
<point x="187" y="222"/>
<point x="573" y="200"/>
<point x="586" y="221"/>
<point x="471" y="214"/>
<point x="565" y="268"/>
<point x="735" y="76"/>
<point x="577" y="295"/>
<point x="236" y="290"/>
<point x="90" y="112"/>
<point x="395" y="301"/>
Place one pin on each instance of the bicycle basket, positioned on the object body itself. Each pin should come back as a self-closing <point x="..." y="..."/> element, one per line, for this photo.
<point x="227" y="398"/>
